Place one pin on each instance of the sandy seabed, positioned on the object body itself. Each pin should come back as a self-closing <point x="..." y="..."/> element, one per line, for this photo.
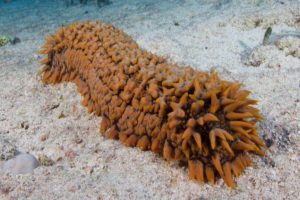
<point x="224" y="35"/>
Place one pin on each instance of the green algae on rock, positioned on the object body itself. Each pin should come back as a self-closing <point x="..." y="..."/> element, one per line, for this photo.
<point x="4" y="40"/>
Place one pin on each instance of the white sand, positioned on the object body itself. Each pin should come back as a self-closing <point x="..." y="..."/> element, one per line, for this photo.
<point x="224" y="36"/>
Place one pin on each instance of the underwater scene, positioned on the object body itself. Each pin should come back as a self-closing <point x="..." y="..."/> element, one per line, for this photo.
<point x="144" y="99"/>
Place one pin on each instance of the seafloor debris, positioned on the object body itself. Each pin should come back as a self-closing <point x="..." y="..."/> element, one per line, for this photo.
<point x="182" y="114"/>
<point x="7" y="150"/>
<point x="290" y="45"/>
<point x="272" y="54"/>
<point x="45" y="160"/>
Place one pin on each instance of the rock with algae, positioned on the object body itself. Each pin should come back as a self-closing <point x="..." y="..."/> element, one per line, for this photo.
<point x="4" y="40"/>
<point x="182" y="114"/>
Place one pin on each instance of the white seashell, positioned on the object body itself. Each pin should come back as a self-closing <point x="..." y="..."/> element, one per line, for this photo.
<point x="21" y="164"/>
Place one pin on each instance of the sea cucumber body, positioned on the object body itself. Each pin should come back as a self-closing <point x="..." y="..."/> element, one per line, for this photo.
<point x="180" y="113"/>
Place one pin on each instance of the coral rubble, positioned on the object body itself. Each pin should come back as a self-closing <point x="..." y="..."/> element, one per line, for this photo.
<point x="194" y="117"/>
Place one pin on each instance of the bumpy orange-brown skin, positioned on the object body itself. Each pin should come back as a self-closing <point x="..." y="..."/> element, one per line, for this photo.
<point x="180" y="113"/>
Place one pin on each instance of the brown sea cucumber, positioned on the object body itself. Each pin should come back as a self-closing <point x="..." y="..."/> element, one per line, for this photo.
<point x="183" y="114"/>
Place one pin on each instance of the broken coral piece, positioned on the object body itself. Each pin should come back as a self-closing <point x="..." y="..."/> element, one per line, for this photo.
<point x="182" y="114"/>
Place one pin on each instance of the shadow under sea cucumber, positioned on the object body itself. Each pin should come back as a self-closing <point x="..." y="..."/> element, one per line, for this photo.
<point x="183" y="114"/>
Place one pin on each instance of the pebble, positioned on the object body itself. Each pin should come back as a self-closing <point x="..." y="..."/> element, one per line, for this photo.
<point x="21" y="164"/>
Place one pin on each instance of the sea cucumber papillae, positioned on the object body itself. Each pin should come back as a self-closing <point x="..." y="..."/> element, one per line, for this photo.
<point x="180" y="113"/>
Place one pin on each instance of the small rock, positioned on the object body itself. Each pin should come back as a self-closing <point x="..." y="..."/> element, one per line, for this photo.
<point x="45" y="160"/>
<point x="257" y="56"/>
<point x="289" y="45"/>
<point x="7" y="150"/>
<point x="15" y="40"/>
<point x="21" y="164"/>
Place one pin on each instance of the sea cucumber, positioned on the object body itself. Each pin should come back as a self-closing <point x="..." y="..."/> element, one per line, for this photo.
<point x="182" y="114"/>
